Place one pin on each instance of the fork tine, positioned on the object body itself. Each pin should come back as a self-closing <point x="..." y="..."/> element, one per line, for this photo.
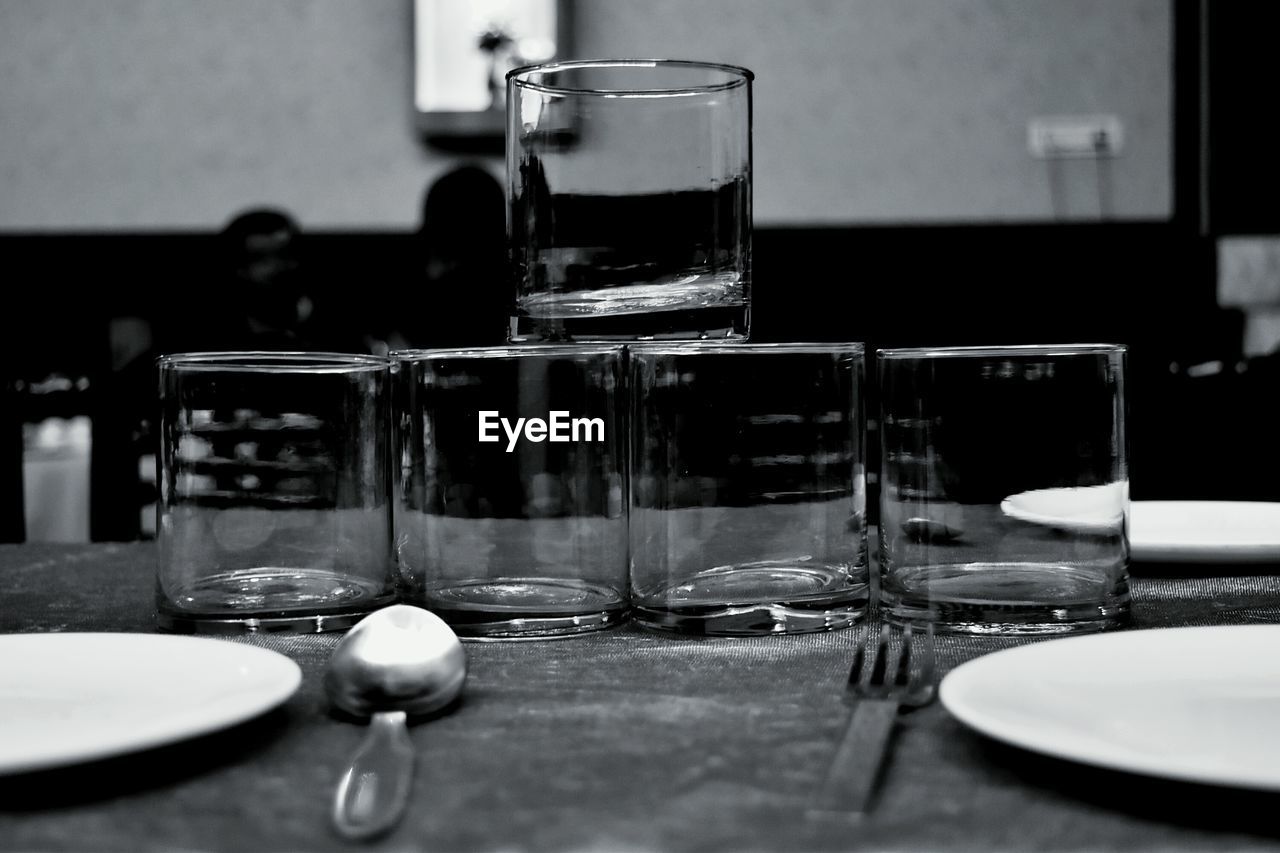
<point x="904" y="658"/>
<point x="882" y="653"/>
<point x="855" y="671"/>
<point x="927" y="668"/>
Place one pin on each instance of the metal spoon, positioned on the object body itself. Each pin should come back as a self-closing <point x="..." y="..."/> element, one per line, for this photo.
<point x="398" y="661"/>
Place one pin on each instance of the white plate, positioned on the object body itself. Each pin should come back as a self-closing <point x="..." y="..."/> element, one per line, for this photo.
<point x="1091" y="509"/>
<point x="1194" y="704"/>
<point x="1205" y="531"/>
<point x="67" y="698"/>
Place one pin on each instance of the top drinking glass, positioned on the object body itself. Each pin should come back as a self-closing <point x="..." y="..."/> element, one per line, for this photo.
<point x="629" y="200"/>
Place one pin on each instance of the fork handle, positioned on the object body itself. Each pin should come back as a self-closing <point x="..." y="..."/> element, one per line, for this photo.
<point x="854" y="770"/>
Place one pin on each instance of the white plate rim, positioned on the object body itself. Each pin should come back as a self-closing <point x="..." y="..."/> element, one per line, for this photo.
<point x="1010" y="507"/>
<point x="286" y="678"/>
<point x="1197" y="549"/>
<point x="952" y="687"/>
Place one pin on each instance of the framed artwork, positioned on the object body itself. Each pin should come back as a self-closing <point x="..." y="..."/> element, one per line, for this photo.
<point x="463" y="50"/>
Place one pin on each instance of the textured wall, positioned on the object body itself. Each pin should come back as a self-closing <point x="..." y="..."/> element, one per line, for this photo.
<point x="172" y="114"/>
<point x="894" y="110"/>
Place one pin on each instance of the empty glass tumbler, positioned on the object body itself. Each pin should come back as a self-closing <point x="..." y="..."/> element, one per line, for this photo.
<point x="1004" y="491"/>
<point x="748" y="488"/>
<point x="629" y="190"/>
<point x="275" y="510"/>
<point x="511" y="519"/>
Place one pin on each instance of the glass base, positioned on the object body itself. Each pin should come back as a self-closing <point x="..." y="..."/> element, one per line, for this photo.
<point x="525" y="608"/>
<point x="699" y="324"/>
<point x="750" y="621"/>
<point x="270" y="600"/>
<point x="1007" y="599"/>
<point x="185" y="623"/>
<point x="755" y="599"/>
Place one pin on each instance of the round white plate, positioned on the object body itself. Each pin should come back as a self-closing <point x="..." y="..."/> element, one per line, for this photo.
<point x="1194" y="704"/>
<point x="67" y="698"/>
<point x="1090" y="509"/>
<point x="1205" y="531"/>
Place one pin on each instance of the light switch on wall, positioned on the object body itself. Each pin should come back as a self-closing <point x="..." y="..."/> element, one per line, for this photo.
<point x="1249" y="271"/>
<point x="1075" y="136"/>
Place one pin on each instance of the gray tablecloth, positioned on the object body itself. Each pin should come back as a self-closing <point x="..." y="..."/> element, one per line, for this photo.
<point x="623" y="740"/>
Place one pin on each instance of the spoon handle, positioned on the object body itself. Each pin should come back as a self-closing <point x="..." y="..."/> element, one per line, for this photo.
<point x="373" y="792"/>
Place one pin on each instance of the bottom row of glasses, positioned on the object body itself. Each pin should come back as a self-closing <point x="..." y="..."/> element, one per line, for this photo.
<point x="550" y="490"/>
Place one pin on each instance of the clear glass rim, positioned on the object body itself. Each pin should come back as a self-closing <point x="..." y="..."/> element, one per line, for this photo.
<point x="507" y="351"/>
<point x="747" y="348"/>
<point x="265" y="361"/>
<point x="1009" y="351"/>
<point x="737" y="77"/>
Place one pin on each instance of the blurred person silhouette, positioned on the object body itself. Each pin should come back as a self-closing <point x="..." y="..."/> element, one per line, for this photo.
<point x="252" y="298"/>
<point x="270" y="297"/>
<point x="259" y="264"/>
<point x="460" y="293"/>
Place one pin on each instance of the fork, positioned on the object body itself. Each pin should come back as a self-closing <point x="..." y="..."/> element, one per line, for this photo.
<point x="851" y="779"/>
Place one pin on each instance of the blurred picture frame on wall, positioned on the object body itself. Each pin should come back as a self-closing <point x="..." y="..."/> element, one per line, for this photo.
<point x="462" y="51"/>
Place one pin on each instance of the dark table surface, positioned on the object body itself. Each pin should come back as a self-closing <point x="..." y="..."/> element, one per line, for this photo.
<point x="619" y="741"/>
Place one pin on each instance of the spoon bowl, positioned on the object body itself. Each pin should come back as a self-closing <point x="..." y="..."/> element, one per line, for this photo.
<point x="399" y="658"/>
